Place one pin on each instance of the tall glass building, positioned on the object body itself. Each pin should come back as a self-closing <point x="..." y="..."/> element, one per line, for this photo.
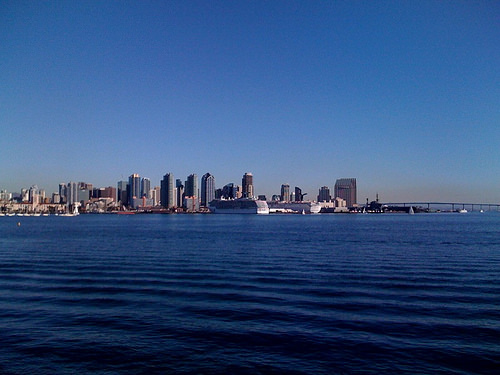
<point x="247" y="185"/>
<point x="191" y="189"/>
<point x="207" y="189"/>
<point x="145" y="187"/>
<point x="134" y="188"/>
<point x="285" y="193"/>
<point x="167" y="191"/>
<point x="324" y="194"/>
<point x="345" y="188"/>
<point x="122" y="192"/>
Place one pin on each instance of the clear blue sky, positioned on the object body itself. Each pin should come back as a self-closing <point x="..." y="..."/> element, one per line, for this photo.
<point x="402" y="95"/>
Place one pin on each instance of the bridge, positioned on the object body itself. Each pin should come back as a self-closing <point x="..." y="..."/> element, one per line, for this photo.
<point x="460" y="205"/>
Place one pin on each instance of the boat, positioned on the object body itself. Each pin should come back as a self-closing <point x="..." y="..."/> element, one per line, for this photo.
<point x="75" y="211"/>
<point x="239" y="206"/>
<point x="295" y="207"/>
<point x="462" y="211"/>
<point x="410" y="211"/>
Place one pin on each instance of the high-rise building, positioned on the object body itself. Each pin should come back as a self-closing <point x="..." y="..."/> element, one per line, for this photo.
<point x="134" y="187"/>
<point x="72" y="193"/>
<point x="179" y="192"/>
<point x="108" y="192"/>
<point x="299" y="197"/>
<point x="229" y="191"/>
<point x="191" y="189"/>
<point x="324" y="194"/>
<point x="62" y="193"/>
<point x="168" y="199"/>
<point x="145" y="187"/>
<point x="25" y="195"/>
<point x="285" y="193"/>
<point x="33" y="194"/>
<point x="345" y="188"/>
<point x="207" y="189"/>
<point x="83" y="195"/>
<point x="56" y="198"/>
<point x="122" y="192"/>
<point x="156" y="195"/>
<point x="247" y="185"/>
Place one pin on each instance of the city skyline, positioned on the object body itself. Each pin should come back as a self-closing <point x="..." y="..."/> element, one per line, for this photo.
<point x="402" y="96"/>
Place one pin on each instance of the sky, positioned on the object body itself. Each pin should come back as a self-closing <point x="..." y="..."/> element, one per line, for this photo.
<point x="402" y="95"/>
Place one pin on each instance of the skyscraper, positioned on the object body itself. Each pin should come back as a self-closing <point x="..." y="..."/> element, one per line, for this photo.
<point x="167" y="191"/>
<point x="247" y="185"/>
<point x="285" y="193"/>
<point x="122" y="192"/>
<point x="145" y="187"/>
<point x="134" y="188"/>
<point x="62" y="193"/>
<point x="299" y="197"/>
<point x="345" y="188"/>
<point x="191" y="189"/>
<point x="72" y="193"/>
<point x="179" y="192"/>
<point x="207" y="189"/>
<point x="324" y="194"/>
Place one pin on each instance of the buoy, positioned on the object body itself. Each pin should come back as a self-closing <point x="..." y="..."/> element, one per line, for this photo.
<point x="18" y="223"/>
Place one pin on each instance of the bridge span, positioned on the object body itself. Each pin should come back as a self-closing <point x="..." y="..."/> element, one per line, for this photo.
<point x="454" y="205"/>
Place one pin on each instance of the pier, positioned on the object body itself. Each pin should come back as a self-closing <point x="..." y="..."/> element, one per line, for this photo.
<point x="450" y="205"/>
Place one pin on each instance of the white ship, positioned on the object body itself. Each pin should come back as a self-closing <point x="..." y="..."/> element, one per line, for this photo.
<point x="239" y="206"/>
<point x="295" y="207"/>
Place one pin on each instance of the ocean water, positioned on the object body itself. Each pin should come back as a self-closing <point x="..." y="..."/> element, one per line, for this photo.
<point x="217" y="294"/>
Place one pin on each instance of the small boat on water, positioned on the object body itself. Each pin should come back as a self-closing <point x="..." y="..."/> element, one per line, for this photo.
<point x="462" y="211"/>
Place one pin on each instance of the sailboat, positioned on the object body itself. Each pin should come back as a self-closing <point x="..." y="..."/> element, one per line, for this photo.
<point x="410" y="211"/>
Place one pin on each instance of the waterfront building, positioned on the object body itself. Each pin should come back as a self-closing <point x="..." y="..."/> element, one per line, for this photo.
<point x="218" y="193"/>
<point x="33" y="194"/>
<point x="191" y="203"/>
<point x="72" y="193"/>
<point x="5" y="195"/>
<point x="141" y="203"/>
<point x="25" y="195"/>
<point x="168" y="199"/>
<point x="207" y="189"/>
<point x="179" y="193"/>
<point x="122" y="192"/>
<point x="156" y="195"/>
<point x="285" y="193"/>
<point x="145" y="187"/>
<point x="83" y="195"/>
<point x="62" y="193"/>
<point x="239" y="192"/>
<point x="299" y="197"/>
<point x="191" y="186"/>
<point x="324" y="194"/>
<point x="134" y="188"/>
<point x="247" y="185"/>
<point x="231" y="191"/>
<point x="107" y="192"/>
<point x="56" y="198"/>
<point x="345" y="188"/>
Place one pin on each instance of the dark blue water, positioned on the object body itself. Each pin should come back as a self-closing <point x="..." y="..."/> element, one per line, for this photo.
<point x="250" y="294"/>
